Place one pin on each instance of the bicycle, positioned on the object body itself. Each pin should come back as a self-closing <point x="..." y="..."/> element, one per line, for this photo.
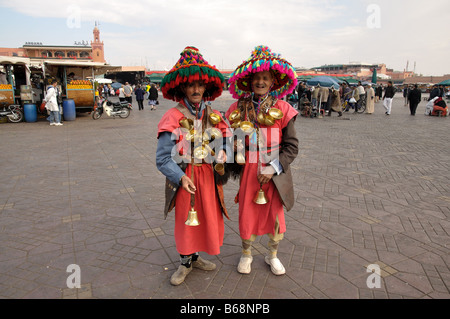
<point x="360" y="108"/>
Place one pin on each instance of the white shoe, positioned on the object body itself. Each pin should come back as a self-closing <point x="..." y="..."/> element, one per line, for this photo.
<point x="58" y="124"/>
<point x="275" y="265"/>
<point x="52" y="123"/>
<point x="245" y="263"/>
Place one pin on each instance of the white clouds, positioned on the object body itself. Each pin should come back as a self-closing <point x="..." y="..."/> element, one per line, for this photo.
<point x="307" y="33"/>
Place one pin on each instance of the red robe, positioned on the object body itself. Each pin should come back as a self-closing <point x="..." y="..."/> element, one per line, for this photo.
<point x="257" y="219"/>
<point x="208" y="236"/>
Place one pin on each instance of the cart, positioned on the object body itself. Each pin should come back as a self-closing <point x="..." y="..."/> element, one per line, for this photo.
<point x="78" y="80"/>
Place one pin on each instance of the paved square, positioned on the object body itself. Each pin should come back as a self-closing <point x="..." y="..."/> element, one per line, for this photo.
<point x="370" y="189"/>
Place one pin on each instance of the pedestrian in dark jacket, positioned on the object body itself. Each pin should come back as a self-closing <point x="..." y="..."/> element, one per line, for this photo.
<point x="414" y="98"/>
<point x="388" y="97"/>
<point x="153" y="97"/>
<point x="139" y="93"/>
<point x="434" y="92"/>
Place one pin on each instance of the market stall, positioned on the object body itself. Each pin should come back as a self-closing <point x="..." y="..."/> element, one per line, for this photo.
<point x="77" y="79"/>
<point x="14" y="80"/>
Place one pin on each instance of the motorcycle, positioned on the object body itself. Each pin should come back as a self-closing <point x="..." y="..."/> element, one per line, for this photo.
<point x="13" y="112"/>
<point x="121" y="109"/>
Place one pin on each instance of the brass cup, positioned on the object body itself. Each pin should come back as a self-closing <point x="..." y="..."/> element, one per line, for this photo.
<point x="200" y="152"/>
<point x="261" y="118"/>
<point x="215" y="133"/>
<point x="236" y="124"/>
<point x="246" y="126"/>
<point x="235" y="116"/>
<point x="277" y="114"/>
<point x="269" y="120"/>
<point x="211" y="134"/>
<point x="214" y="118"/>
<point x="220" y="169"/>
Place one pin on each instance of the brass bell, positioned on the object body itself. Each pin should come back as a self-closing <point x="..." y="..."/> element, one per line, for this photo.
<point x="186" y="123"/>
<point x="192" y="219"/>
<point x="260" y="197"/>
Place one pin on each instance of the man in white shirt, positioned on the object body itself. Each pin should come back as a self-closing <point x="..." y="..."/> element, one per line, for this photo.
<point x="52" y="104"/>
<point x="362" y="94"/>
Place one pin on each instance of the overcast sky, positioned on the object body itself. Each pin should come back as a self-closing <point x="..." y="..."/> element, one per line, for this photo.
<point x="307" y="33"/>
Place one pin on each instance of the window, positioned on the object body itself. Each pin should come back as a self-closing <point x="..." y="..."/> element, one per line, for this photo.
<point x="84" y="54"/>
<point x="72" y="54"/>
<point x="46" y="54"/>
<point x="59" y="54"/>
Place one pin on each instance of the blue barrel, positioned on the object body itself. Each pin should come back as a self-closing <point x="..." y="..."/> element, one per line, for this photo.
<point x="69" y="110"/>
<point x="30" y="112"/>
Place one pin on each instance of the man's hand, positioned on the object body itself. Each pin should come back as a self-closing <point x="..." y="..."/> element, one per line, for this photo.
<point x="266" y="175"/>
<point x="221" y="157"/>
<point x="187" y="185"/>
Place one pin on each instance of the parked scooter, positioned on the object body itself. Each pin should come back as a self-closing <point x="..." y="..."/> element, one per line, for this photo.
<point x="13" y="112"/>
<point x="121" y="109"/>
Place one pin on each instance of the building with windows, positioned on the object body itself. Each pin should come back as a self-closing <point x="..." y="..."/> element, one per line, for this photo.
<point x="358" y="69"/>
<point x="80" y="51"/>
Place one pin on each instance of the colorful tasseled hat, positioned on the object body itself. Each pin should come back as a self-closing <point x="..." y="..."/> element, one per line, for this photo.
<point x="262" y="59"/>
<point x="192" y="67"/>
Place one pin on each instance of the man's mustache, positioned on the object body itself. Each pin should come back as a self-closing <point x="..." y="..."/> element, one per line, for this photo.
<point x="196" y="94"/>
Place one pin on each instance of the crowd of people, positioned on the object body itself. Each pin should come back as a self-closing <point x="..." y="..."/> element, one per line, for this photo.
<point x="348" y="97"/>
<point x="125" y="93"/>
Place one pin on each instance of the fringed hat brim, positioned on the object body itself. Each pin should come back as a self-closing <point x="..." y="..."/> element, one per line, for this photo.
<point x="192" y="67"/>
<point x="285" y="77"/>
<point x="212" y="78"/>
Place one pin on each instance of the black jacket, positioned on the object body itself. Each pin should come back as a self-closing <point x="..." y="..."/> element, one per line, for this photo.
<point x="389" y="92"/>
<point x="434" y="93"/>
<point x="415" y="96"/>
<point x="153" y="94"/>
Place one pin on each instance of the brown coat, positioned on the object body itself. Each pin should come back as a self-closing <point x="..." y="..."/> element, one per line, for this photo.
<point x="336" y="101"/>
<point x="323" y="94"/>
<point x="288" y="153"/>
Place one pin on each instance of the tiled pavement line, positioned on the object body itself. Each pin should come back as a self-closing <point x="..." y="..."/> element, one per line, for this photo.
<point x="176" y="264"/>
<point x="151" y="161"/>
<point x="356" y="213"/>
<point x="430" y="248"/>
